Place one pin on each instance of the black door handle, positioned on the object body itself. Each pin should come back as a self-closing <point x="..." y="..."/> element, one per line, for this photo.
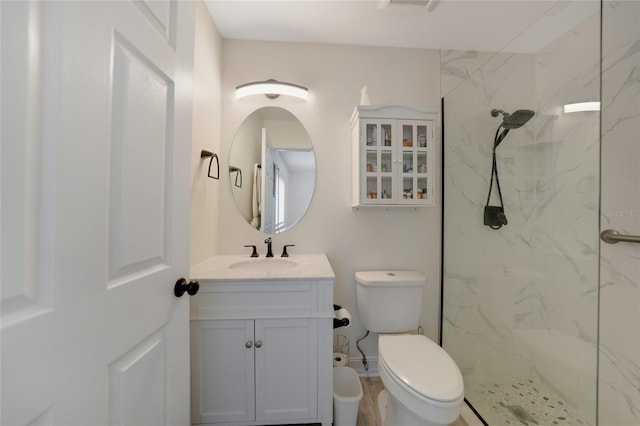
<point x="183" y="286"/>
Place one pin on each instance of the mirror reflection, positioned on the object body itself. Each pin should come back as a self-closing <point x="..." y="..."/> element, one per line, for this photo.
<point x="272" y="170"/>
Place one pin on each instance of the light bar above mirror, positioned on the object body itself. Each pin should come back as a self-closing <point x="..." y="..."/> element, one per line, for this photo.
<point x="272" y="89"/>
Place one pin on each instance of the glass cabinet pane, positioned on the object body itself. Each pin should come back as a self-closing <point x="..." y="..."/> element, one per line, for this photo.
<point x="407" y="161"/>
<point x="421" y="190"/>
<point x="372" y="135"/>
<point x="407" y="188"/>
<point x="372" y="161"/>
<point x="372" y="187"/>
<point x="386" y="164"/>
<point x="407" y="135"/>
<point x="422" y="136"/>
<point x="387" y="134"/>
<point x="422" y="162"/>
<point x="387" y="187"/>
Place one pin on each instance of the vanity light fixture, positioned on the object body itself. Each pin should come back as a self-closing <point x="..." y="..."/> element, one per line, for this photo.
<point x="272" y="89"/>
<point x="582" y="106"/>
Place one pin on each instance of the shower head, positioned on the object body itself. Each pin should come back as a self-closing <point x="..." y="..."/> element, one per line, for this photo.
<point x="517" y="119"/>
<point x="514" y="120"/>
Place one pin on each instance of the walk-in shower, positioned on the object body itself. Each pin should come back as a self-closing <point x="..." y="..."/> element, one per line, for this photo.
<point x="520" y="302"/>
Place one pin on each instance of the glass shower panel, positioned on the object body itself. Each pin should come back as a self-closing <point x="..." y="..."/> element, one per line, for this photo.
<point x="520" y="303"/>
<point x="619" y="340"/>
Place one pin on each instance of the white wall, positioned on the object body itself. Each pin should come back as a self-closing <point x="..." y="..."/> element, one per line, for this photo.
<point x="353" y="240"/>
<point x="207" y="75"/>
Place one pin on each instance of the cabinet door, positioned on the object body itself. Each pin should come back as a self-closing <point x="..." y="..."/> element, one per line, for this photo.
<point x="286" y="369"/>
<point x="378" y="160"/>
<point x="223" y="371"/>
<point x="415" y="165"/>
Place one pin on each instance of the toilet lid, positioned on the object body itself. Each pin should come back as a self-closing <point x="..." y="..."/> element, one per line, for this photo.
<point x="422" y="365"/>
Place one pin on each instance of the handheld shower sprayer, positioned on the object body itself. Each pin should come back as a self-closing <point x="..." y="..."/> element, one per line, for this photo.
<point x="494" y="216"/>
<point x="509" y="122"/>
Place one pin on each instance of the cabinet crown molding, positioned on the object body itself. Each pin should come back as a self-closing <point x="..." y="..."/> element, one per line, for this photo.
<point x="391" y="110"/>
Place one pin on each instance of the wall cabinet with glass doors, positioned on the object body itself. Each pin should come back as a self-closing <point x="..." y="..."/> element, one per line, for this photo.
<point x="393" y="148"/>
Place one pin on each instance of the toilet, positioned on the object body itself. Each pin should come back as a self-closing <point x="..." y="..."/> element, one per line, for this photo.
<point x="423" y="385"/>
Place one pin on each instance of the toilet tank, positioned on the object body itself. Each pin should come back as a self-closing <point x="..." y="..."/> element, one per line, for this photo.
<point x="389" y="301"/>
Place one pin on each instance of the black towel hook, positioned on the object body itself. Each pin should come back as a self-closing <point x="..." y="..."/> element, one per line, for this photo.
<point x="238" y="172"/>
<point x="204" y="154"/>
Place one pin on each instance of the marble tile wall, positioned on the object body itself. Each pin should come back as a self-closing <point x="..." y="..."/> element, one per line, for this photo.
<point x="522" y="301"/>
<point x="619" y="373"/>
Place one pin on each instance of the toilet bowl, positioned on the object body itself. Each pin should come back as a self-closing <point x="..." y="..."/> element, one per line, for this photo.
<point x="423" y="385"/>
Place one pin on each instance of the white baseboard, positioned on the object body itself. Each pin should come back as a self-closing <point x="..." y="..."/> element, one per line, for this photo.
<point x="372" y="363"/>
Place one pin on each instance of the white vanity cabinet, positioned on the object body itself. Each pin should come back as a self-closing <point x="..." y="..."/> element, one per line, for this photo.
<point x="262" y="351"/>
<point x="393" y="150"/>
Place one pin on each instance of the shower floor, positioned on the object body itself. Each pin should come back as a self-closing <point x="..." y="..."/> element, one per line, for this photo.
<point x="524" y="402"/>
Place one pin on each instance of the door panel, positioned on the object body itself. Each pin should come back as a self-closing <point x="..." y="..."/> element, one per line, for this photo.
<point x="141" y="147"/>
<point x="96" y="126"/>
<point x="136" y="384"/>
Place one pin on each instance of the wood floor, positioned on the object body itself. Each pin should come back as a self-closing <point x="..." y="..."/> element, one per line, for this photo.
<point x="368" y="409"/>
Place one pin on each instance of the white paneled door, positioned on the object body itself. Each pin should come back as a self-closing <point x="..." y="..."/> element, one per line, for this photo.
<point x="96" y="119"/>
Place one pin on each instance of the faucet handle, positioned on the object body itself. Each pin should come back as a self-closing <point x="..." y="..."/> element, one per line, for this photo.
<point x="269" y="252"/>
<point x="255" y="252"/>
<point x="284" y="250"/>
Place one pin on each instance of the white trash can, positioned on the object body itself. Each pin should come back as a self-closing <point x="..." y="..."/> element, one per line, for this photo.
<point x="347" y="393"/>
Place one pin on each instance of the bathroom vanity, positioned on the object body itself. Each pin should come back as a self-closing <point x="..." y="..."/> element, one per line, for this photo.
<point x="261" y="341"/>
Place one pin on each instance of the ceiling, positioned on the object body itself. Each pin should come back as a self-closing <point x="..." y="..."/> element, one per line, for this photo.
<point x="486" y="25"/>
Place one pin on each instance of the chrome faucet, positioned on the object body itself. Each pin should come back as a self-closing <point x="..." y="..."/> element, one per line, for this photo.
<point x="269" y="252"/>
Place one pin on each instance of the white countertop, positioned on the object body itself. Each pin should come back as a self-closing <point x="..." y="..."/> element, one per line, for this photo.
<point x="230" y="267"/>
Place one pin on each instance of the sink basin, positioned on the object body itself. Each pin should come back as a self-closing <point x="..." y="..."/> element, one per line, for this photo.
<point x="263" y="265"/>
<point x="231" y="267"/>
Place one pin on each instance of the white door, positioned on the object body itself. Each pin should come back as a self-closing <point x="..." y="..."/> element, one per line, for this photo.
<point x="96" y="118"/>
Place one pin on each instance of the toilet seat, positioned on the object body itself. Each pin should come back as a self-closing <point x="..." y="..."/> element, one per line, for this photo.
<point x="421" y="367"/>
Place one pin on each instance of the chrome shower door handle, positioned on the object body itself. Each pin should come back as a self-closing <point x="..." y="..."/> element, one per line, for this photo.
<point x="611" y="236"/>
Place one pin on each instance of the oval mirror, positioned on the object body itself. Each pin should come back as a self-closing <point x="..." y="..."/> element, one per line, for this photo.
<point x="272" y="170"/>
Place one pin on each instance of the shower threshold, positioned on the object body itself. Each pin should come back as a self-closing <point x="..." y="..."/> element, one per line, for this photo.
<point x="523" y="402"/>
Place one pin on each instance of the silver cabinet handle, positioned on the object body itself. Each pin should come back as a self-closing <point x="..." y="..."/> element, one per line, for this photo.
<point x="611" y="236"/>
<point x="248" y="344"/>
<point x="259" y="344"/>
